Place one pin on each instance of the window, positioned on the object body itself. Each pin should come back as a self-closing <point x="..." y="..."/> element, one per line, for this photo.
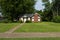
<point x="38" y="19"/>
<point x="28" y="18"/>
<point x="32" y="18"/>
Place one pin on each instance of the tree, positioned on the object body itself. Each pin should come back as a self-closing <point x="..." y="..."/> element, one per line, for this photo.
<point x="40" y="12"/>
<point x="45" y="1"/>
<point x="12" y="9"/>
<point x="56" y="7"/>
<point x="47" y="13"/>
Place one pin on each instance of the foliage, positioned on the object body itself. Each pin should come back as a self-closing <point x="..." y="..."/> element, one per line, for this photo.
<point x="40" y="12"/>
<point x="5" y="21"/>
<point x="56" y="8"/>
<point x="13" y="9"/>
<point x="52" y="10"/>
<point x="45" y="0"/>
<point x="56" y="19"/>
<point x="47" y="13"/>
<point x="28" y="21"/>
<point x="20" y="21"/>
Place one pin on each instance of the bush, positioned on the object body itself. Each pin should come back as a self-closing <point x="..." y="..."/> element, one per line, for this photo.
<point x="5" y="21"/>
<point x="28" y="21"/>
<point x="56" y="19"/>
<point x="20" y="21"/>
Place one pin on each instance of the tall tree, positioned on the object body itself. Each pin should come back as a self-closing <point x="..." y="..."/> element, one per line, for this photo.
<point x="12" y="9"/>
<point x="47" y="11"/>
<point x="56" y="7"/>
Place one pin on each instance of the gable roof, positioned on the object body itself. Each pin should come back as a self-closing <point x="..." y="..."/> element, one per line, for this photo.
<point x="29" y="15"/>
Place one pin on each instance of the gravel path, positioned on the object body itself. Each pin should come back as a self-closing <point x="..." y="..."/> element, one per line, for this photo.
<point x="28" y="35"/>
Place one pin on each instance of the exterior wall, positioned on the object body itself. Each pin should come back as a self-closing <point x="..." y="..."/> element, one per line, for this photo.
<point x="21" y="19"/>
<point x="39" y="19"/>
<point x="36" y="18"/>
<point x="32" y="19"/>
<point x="29" y="19"/>
<point x="25" y="20"/>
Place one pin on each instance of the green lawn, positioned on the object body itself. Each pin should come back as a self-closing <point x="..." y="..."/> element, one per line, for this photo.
<point x="40" y="27"/>
<point x="29" y="38"/>
<point x="6" y="26"/>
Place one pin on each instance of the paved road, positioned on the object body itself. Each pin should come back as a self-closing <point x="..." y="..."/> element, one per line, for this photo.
<point x="28" y="35"/>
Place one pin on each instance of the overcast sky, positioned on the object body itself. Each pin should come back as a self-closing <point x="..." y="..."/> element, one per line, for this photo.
<point x="38" y="5"/>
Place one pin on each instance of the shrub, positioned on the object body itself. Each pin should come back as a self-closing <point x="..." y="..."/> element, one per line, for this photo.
<point x="28" y="21"/>
<point x="20" y="21"/>
<point x="5" y="21"/>
<point x="56" y="19"/>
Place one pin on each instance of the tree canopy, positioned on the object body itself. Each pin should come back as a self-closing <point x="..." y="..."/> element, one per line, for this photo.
<point x="51" y="9"/>
<point x="12" y="9"/>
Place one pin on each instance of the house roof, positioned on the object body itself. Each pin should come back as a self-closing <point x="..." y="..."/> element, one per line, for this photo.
<point x="29" y="15"/>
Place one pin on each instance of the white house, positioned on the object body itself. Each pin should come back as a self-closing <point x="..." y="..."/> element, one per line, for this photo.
<point x="31" y="17"/>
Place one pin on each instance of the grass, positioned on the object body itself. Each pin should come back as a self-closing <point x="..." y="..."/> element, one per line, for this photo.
<point x="29" y="38"/>
<point x="40" y="27"/>
<point x="6" y="26"/>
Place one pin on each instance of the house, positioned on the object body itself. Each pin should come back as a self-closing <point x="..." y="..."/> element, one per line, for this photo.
<point x="31" y="17"/>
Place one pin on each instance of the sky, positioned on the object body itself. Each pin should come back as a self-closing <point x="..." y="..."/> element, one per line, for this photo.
<point x="38" y="5"/>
